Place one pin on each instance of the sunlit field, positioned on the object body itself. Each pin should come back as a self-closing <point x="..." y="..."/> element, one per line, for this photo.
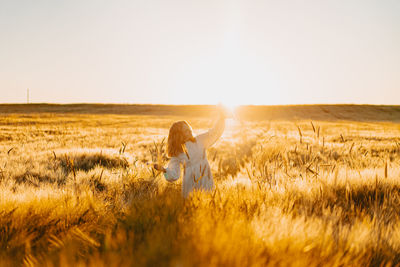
<point x="295" y="186"/>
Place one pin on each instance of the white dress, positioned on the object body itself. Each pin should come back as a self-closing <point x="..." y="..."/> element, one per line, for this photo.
<point x="197" y="171"/>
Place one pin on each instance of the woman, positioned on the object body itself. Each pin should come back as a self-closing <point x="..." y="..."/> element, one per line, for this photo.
<point x="190" y="152"/>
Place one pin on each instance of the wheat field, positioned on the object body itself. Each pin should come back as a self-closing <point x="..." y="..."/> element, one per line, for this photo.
<point x="77" y="189"/>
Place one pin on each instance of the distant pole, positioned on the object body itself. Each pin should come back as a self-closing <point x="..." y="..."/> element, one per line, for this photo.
<point x="27" y="96"/>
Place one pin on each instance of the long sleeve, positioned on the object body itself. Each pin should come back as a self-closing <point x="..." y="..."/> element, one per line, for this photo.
<point x="210" y="137"/>
<point x="173" y="170"/>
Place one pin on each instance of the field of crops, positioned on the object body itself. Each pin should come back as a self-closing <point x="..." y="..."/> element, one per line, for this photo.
<point x="78" y="189"/>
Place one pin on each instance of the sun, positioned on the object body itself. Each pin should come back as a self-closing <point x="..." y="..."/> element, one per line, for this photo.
<point x="231" y="105"/>
<point x="232" y="119"/>
<point x="230" y="109"/>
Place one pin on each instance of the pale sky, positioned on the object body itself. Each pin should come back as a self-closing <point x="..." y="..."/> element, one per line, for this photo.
<point x="200" y="52"/>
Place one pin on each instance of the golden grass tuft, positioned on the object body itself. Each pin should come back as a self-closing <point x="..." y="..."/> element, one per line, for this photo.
<point x="86" y="162"/>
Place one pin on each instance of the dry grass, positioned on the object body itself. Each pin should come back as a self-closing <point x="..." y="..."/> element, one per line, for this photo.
<point x="77" y="189"/>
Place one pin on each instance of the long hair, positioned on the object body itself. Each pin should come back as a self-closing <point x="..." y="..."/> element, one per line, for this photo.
<point x="177" y="137"/>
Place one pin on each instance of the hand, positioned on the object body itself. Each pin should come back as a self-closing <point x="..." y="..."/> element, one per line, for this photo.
<point x="158" y="167"/>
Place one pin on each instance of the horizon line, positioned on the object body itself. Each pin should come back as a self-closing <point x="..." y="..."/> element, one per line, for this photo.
<point x="160" y="104"/>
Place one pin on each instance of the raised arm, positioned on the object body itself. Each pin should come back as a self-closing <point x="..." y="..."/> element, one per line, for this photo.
<point x="210" y="137"/>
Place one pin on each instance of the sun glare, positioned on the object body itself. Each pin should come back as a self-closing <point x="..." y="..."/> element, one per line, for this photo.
<point x="230" y="109"/>
<point x="231" y="105"/>
<point x="232" y="120"/>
